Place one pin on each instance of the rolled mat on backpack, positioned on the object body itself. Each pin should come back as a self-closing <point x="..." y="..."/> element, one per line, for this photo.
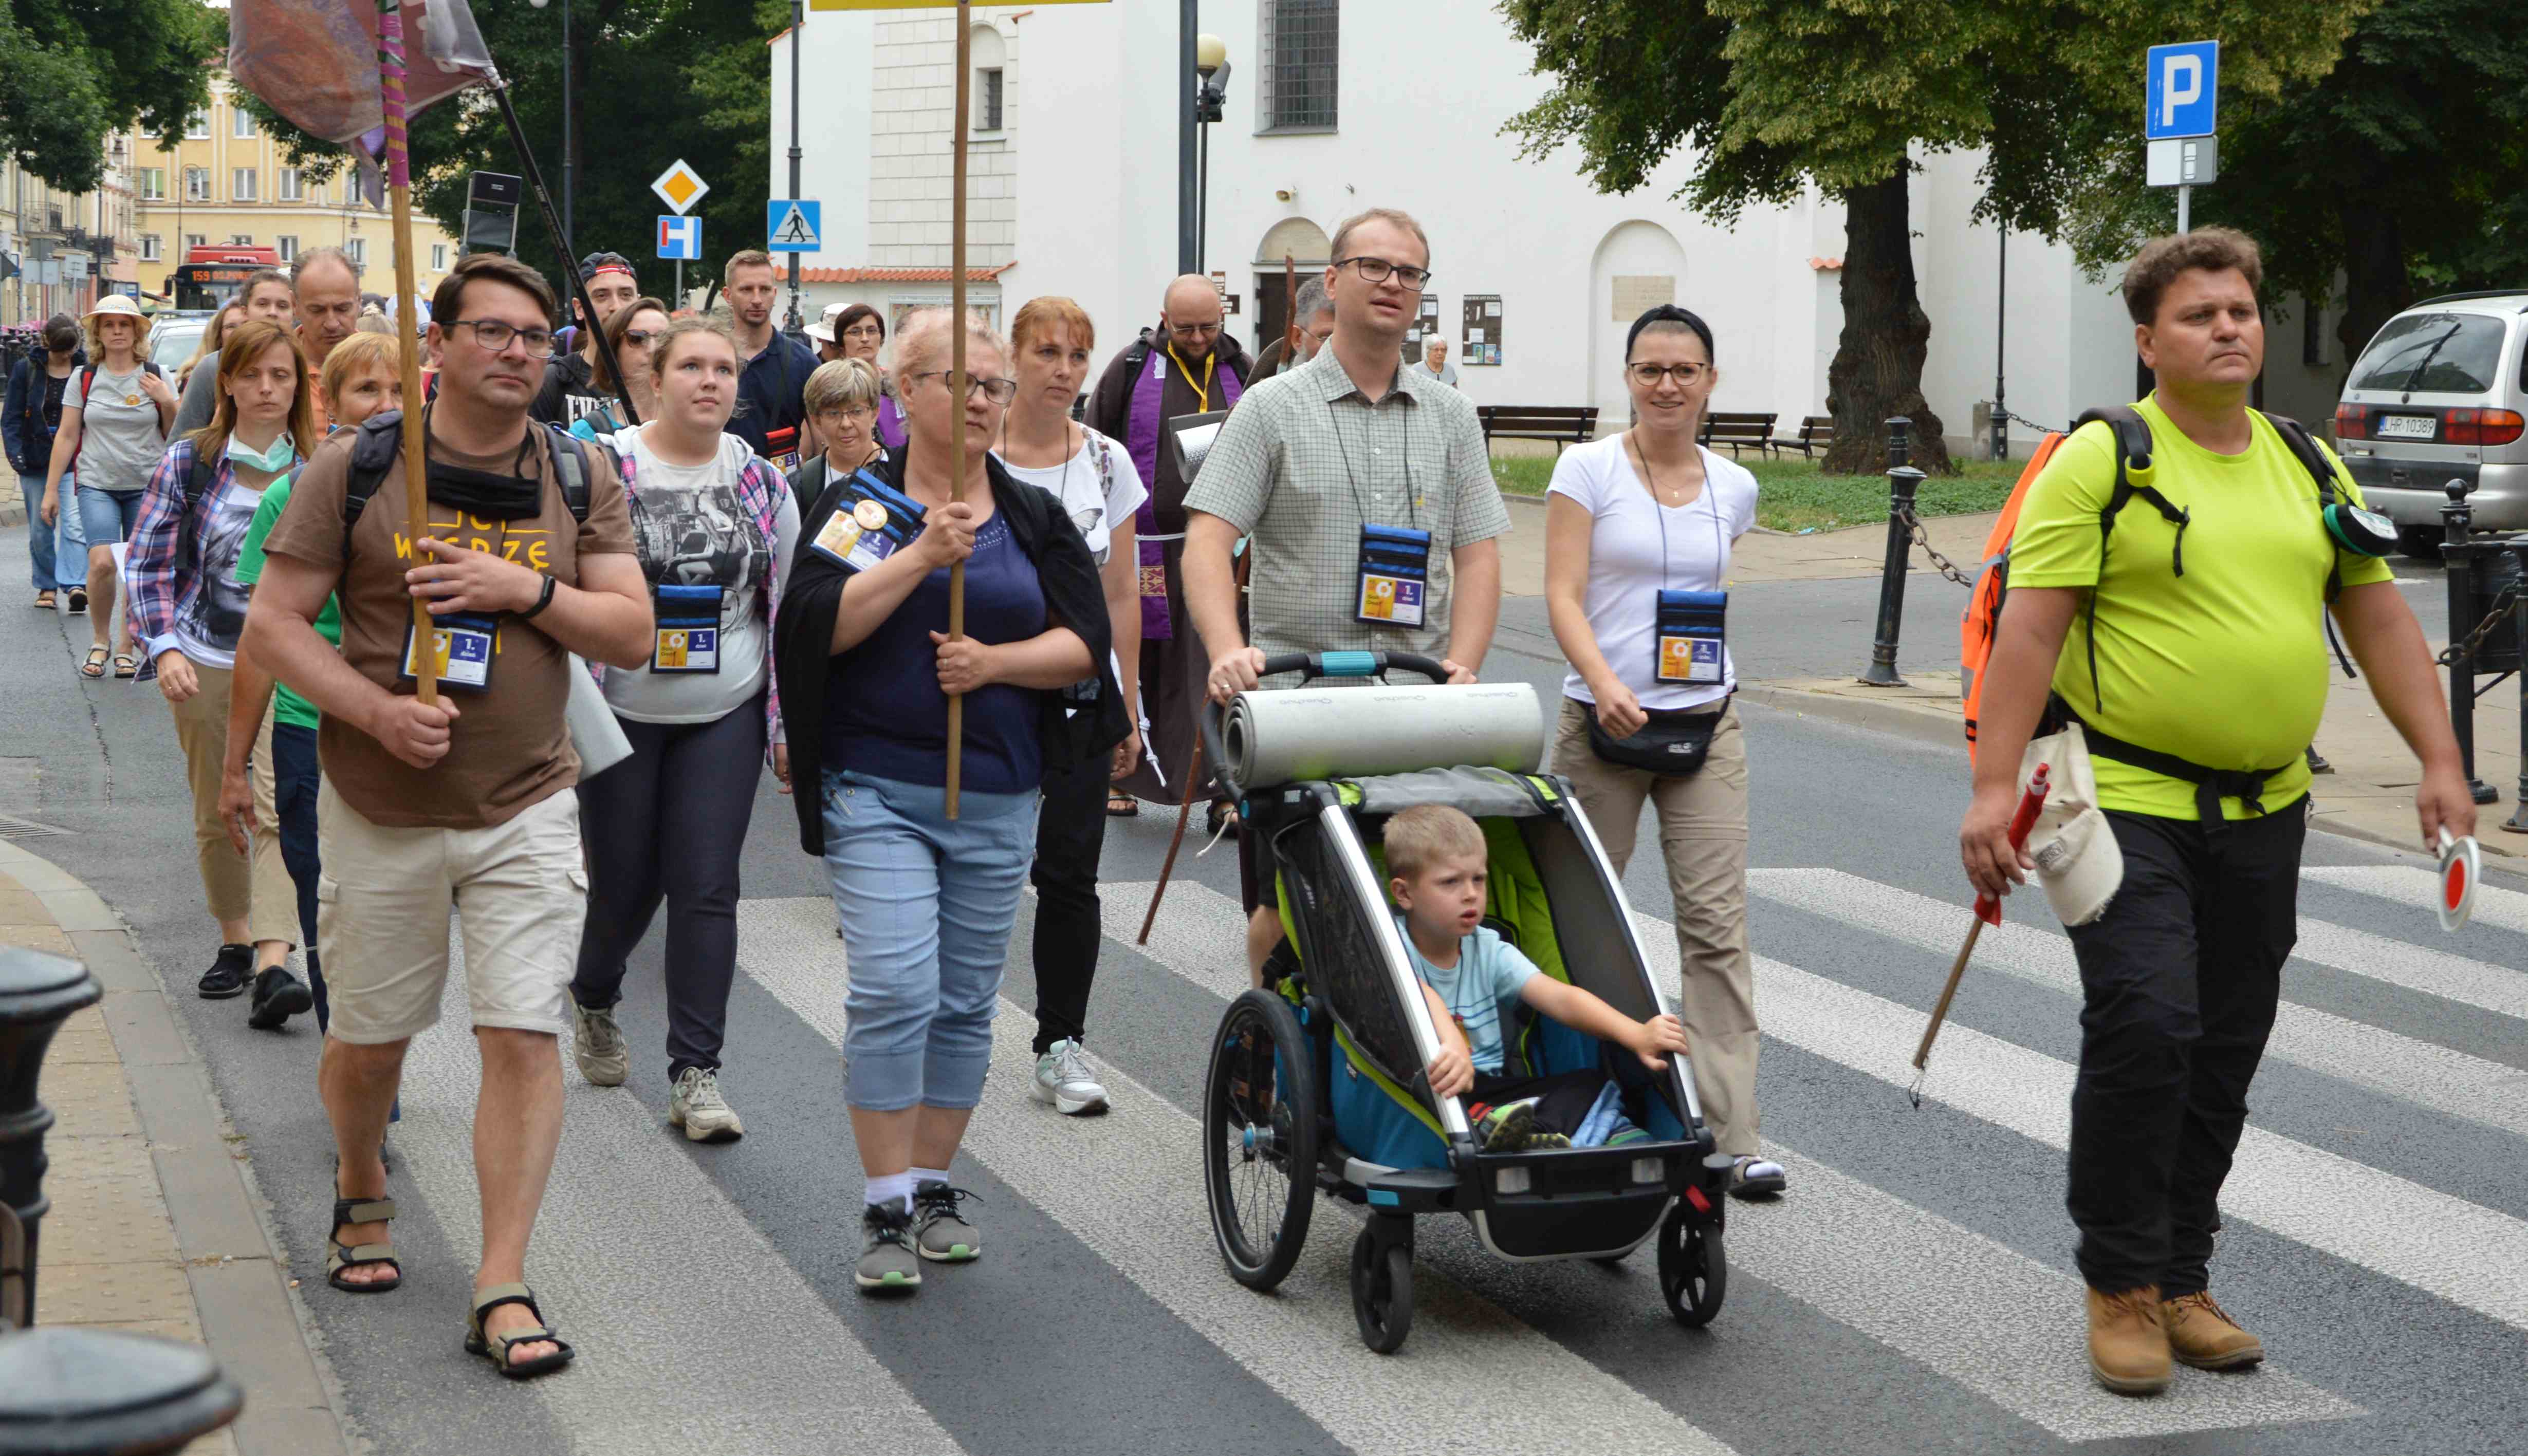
<point x="2079" y="863"/>
<point x="1317" y="733"/>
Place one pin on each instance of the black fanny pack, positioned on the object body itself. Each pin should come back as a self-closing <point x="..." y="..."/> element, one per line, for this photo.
<point x="1672" y="743"/>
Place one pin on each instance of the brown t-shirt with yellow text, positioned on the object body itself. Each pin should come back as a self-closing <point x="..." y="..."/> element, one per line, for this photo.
<point x="510" y="748"/>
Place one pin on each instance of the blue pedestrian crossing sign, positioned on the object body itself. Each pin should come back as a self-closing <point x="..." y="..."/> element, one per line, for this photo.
<point x="2181" y="89"/>
<point x="793" y="224"/>
<point x="680" y="238"/>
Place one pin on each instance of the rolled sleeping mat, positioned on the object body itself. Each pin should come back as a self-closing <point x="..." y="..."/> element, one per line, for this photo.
<point x="1318" y="733"/>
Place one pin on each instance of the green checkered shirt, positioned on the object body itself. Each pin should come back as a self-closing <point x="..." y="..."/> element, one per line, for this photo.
<point x="1305" y="460"/>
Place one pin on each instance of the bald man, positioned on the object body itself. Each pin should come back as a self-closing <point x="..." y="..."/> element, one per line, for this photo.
<point x="1188" y="366"/>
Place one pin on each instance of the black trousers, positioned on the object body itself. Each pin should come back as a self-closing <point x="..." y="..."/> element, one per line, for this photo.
<point x="1562" y="1099"/>
<point x="668" y="824"/>
<point x="1069" y="835"/>
<point x="2179" y="980"/>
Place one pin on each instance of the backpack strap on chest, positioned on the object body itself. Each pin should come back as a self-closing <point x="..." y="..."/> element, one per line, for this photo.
<point x="2132" y="451"/>
<point x="2330" y="493"/>
<point x="378" y="450"/>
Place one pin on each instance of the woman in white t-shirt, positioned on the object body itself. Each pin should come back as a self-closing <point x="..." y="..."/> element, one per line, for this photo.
<point x="1638" y="531"/>
<point x="714" y="527"/>
<point x="115" y="417"/>
<point x="1094" y="479"/>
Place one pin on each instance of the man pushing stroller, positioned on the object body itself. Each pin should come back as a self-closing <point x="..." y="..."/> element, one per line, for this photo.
<point x="1471" y="978"/>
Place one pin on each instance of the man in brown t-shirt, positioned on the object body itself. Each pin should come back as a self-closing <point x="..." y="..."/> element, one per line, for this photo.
<point x="462" y="800"/>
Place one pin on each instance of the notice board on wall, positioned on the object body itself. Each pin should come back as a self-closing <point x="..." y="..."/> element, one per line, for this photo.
<point x="1482" y="329"/>
<point x="1426" y="327"/>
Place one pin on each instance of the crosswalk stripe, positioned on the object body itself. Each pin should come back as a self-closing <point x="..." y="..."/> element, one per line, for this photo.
<point x="1128" y="1185"/>
<point x="1969" y="1308"/>
<point x="2411" y="884"/>
<point x="2448" y="1081"/>
<point x="2476" y="983"/>
<point x="629" y="1279"/>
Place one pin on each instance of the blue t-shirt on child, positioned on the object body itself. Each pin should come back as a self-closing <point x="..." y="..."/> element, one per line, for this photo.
<point x="1490" y="971"/>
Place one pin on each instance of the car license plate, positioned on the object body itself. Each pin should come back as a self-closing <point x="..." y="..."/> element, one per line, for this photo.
<point x="2408" y="427"/>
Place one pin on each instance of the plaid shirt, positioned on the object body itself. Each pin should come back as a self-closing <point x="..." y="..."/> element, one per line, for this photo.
<point x="760" y="488"/>
<point x="1305" y="460"/>
<point x="160" y="564"/>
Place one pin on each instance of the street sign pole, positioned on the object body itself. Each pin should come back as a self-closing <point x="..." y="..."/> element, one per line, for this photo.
<point x="798" y="38"/>
<point x="2185" y="207"/>
<point x="2180" y="99"/>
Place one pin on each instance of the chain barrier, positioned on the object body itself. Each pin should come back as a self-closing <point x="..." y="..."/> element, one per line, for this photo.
<point x="1923" y="538"/>
<point x="2465" y="651"/>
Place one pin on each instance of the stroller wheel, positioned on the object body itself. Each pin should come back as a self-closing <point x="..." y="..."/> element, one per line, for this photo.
<point x="1382" y="1290"/>
<point x="1694" y="1269"/>
<point x="1259" y="1128"/>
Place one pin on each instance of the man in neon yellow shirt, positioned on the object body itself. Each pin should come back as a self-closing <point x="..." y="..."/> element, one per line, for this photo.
<point x="2190" y="635"/>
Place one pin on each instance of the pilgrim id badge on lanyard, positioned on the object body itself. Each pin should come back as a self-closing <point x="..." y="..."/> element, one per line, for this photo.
<point x="870" y="529"/>
<point x="1693" y="637"/>
<point x="463" y="643"/>
<point x="1394" y="576"/>
<point x="688" y="629"/>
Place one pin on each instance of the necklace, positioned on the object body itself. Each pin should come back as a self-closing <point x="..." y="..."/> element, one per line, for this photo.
<point x="1650" y="478"/>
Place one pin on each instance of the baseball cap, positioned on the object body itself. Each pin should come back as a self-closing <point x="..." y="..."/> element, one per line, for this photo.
<point x="597" y="263"/>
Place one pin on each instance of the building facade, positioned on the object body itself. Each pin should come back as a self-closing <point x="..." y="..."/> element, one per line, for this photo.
<point x="1339" y="105"/>
<point x="227" y="184"/>
<point x="58" y="250"/>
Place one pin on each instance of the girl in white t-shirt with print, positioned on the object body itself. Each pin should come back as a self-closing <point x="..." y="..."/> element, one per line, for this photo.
<point x="1638" y="533"/>
<point x="1100" y="490"/>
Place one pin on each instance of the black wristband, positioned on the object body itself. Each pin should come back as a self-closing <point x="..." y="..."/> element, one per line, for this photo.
<point x="542" y="601"/>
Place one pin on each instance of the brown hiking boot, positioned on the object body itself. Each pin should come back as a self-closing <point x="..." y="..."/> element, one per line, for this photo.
<point x="2128" y="1347"/>
<point x="2202" y="1334"/>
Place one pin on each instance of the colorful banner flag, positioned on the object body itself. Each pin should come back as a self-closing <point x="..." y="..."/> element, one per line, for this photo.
<point x="316" y="61"/>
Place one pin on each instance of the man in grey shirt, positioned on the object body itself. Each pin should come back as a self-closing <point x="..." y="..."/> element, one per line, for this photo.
<point x="322" y="292"/>
<point x="1308" y="460"/>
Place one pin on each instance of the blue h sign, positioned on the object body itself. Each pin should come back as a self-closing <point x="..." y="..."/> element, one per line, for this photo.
<point x="2182" y="90"/>
<point x="680" y="238"/>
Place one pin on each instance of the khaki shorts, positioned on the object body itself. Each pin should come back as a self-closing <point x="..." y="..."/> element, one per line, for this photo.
<point x="520" y="893"/>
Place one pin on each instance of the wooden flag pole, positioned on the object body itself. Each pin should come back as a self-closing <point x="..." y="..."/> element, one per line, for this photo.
<point x="416" y="489"/>
<point x="957" y="380"/>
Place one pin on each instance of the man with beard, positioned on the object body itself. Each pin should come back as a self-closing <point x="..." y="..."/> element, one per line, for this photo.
<point x="773" y="383"/>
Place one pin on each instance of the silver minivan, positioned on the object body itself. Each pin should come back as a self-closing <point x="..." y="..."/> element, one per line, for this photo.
<point x="2441" y="393"/>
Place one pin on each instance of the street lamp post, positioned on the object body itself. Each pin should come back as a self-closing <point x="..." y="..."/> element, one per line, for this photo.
<point x="1211" y="63"/>
<point x="1189" y="251"/>
<point x="566" y="226"/>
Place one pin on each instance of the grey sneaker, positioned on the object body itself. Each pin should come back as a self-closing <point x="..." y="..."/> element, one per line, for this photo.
<point x="598" y="1046"/>
<point x="887" y="1261"/>
<point x="696" y="1107"/>
<point x="1063" y="1079"/>
<point x="941" y="1232"/>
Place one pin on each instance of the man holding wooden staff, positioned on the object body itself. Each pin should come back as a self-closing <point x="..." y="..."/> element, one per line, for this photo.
<point x="528" y="558"/>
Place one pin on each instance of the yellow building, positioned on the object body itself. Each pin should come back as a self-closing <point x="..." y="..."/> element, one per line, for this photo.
<point x="229" y="184"/>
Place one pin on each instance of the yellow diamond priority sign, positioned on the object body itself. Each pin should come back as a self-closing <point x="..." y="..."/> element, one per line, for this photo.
<point x="680" y="187"/>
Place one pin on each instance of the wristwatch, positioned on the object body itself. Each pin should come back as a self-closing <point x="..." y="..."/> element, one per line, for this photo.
<point x="543" y="598"/>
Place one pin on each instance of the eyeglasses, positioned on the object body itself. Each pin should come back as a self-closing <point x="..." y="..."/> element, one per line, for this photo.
<point x="869" y="330"/>
<point x="1194" y="331"/>
<point x="640" y="337"/>
<point x="493" y="336"/>
<point x="1647" y="376"/>
<point x="998" y="391"/>
<point x="850" y="414"/>
<point x="1379" y="271"/>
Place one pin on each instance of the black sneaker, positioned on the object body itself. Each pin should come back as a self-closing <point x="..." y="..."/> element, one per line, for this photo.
<point x="278" y="997"/>
<point x="227" y="974"/>
<point x="79" y="602"/>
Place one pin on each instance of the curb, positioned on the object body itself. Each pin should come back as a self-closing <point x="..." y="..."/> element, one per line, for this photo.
<point x="251" y="1320"/>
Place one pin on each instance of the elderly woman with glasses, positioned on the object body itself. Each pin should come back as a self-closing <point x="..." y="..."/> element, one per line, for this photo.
<point x="868" y="669"/>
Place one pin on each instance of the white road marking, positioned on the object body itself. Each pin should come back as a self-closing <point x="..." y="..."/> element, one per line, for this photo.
<point x="2411" y="884"/>
<point x="2449" y="1082"/>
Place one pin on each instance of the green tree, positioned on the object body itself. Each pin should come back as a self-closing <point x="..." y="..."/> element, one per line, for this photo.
<point x="652" y="81"/>
<point x="1771" y="95"/>
<point x="74" y="71"/>
<point x="2405" y="169"/>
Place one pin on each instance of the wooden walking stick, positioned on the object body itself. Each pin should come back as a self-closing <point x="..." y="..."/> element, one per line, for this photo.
<point x="416" y="488"/>
<point x="957" y="385"/>
<point x="1168" y="866"/>
<point x="1987" y="912"/>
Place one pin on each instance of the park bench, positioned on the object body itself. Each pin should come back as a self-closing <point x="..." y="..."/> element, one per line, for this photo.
<point x="1738" y="432"/>
<point x="1564" y="424"/>
<point x="1817" y="432"/>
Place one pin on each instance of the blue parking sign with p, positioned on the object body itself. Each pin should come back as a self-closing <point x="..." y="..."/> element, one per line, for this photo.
<point x="680" y="238"/>
<point x="2179" y="95"/>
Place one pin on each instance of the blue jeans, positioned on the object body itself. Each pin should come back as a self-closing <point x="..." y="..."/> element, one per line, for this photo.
<point x="927" y="903"/>
<point x="69" y="533"/>
<point x="109" y="515"/>
<point x="40" y="537"/>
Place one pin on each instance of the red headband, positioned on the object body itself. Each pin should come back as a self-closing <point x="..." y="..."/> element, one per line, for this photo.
<point x="610" y="268"/>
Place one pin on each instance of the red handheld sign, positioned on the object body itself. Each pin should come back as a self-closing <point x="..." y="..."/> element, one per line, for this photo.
<point x="1988" y="906"/>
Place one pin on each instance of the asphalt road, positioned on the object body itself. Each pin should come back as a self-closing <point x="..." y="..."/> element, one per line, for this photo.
<point x="1914" y="1293"/>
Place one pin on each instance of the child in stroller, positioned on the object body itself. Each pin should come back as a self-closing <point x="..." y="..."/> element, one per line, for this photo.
<point x="1469" y="974"/>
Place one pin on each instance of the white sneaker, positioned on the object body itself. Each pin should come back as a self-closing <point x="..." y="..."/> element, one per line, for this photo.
<point x="597" y="1044"/>
<point x="1063" y="1079"/>
<point x="697" y="1108"/>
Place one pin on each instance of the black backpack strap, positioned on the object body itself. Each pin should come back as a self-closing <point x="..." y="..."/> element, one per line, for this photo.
<point x="374" y="452"/>
<point x="2133" y="450"/>
<point x="2330" y="491"/>
<point x="571" y="468"/>
<point x="2211" y="785"/>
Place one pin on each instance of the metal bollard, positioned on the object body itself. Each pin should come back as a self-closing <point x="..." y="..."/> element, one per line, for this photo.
<point x="2517" y="823"/>
<point x="2459" y="563"/>
<point x="1903" y="480"/>
<point x="72" y="1390"/>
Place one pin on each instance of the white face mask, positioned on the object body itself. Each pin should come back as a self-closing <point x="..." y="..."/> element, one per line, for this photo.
<point x="272" y="461"/>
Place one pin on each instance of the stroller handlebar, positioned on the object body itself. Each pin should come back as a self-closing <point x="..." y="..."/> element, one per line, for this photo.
<point x="1310" y="666"/>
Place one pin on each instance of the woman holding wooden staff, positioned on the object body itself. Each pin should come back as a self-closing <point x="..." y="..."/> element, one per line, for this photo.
<point x="866" y="667"/>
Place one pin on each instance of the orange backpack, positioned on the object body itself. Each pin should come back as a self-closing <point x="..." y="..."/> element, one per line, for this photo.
<point x="1992" y="584"/>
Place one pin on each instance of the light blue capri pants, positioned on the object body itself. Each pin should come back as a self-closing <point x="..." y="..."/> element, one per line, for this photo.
<point x="926" y="905"/>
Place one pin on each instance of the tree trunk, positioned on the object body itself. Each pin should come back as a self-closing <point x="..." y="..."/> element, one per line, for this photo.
<point x="1877" y="368"/>
<point x="2376" y="286"/>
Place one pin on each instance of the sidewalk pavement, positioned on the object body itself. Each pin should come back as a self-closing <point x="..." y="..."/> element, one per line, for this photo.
<point x="1761" y="554"/>
<point x="155" y="1225"/>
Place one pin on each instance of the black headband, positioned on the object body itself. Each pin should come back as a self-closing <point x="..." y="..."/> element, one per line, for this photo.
<point x="1669" y="313"/>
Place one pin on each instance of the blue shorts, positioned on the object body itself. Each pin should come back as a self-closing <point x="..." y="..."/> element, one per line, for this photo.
<point x="108" y="515"/>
